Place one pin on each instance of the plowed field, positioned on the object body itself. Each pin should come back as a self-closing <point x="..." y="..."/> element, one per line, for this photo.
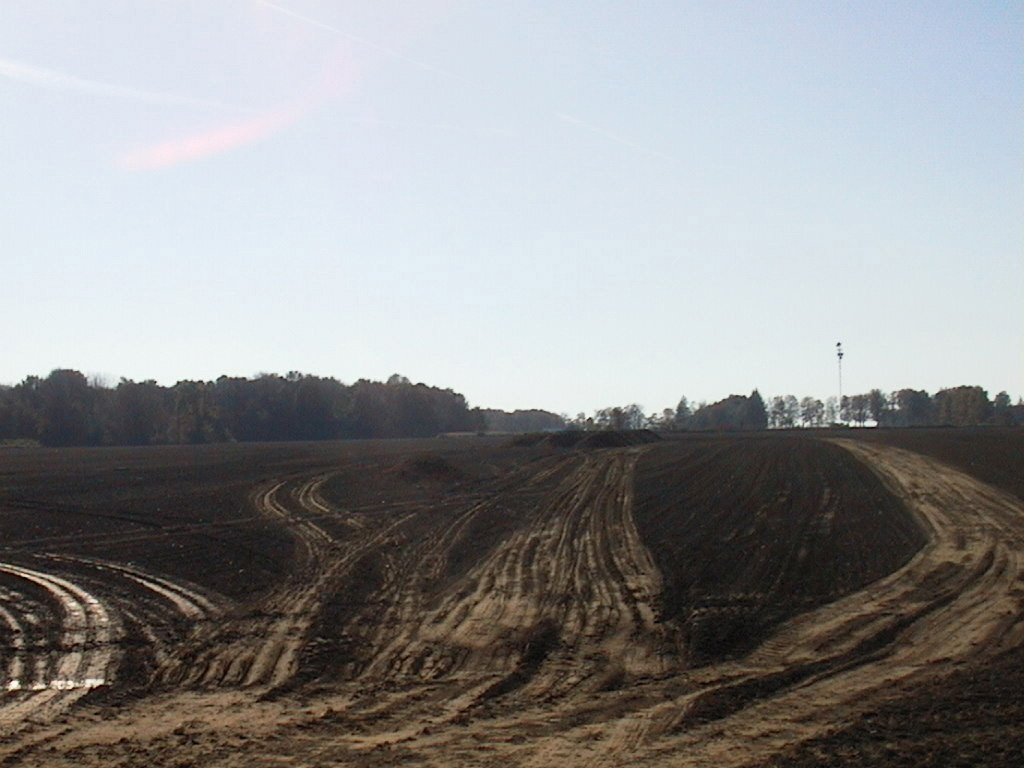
<point x="708" y="600"/>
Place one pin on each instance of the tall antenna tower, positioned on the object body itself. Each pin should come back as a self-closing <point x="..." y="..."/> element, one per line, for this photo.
<point x="839" y="357"/>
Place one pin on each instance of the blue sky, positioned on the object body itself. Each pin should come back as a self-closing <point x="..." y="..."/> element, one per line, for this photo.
<point x="555" y="205"/>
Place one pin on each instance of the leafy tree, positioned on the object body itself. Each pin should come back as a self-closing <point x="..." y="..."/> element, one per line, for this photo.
<point x="831" y="409"/>
<point x="66" y="409"/>
<point x="667" y="419"/>
<point x="754" y="416"/>
<point x="315" y="408"/>
<point x="621" y="417"/>
<point x="20" y="409"/>
<point x="913" y="408"/>
<point x="791" y="410"/>
<point x="1002" y="413"/>
<point x="194" y="413"/>
<point x="580" y="421"/>
<point x="527" y="421"/>
<point x="784" y="412"/>
<point x="962" y="406"/>
<point x="733" y="413"/>
<point x="139" y="413"/>
<point x="845" y="409"/>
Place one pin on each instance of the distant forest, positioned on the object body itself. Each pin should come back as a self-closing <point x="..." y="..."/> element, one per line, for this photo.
<point x="65" y="408"/>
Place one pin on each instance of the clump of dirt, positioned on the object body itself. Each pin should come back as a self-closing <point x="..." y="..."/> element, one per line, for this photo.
<point x="532" y="439"/>
<point x="537" y="644"/>
<point x="574" y="438"/>
<point x="566" y="439"/>
<point x="615" y="438"/>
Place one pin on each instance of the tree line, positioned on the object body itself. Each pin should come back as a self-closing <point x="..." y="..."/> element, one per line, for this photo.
<point x="65" y="408"/>
<point x="736" y="412"/>
<point x="961" y="406"/>
<point x="956" y="406"/>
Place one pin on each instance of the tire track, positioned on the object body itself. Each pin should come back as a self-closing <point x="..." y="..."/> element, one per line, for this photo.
<point x="564" y="605"/>
<point x="83" y="658"/>
<point x="86" y="604"/>
<point x="262" y="648"/>
<point x="188" y="600"/>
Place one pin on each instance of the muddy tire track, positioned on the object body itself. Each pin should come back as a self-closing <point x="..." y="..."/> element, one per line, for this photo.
<point x="83" y="657"/>
<point x="65" y="619"/>
<point x="562" y="607"/>
<point x="262" y="645"/>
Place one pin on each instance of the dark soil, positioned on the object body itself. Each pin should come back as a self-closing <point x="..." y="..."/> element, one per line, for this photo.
<point x="749" y="531"/>
<point x="994" y="455"/>
<point x="973" y="718"/>
<point x="976" y="716"/>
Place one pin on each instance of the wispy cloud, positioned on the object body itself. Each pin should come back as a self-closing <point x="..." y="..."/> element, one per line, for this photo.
<point x="611" y="136"/>
<point x="196" y="146"/>
<point x="61" y="81"/>
<point x="338" y="76"/>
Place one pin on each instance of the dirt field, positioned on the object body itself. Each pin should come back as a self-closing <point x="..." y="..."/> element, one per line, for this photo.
<point x="848" y="599"/>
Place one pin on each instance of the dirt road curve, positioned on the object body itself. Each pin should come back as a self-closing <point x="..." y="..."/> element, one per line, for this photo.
<point x="544" y="648"/>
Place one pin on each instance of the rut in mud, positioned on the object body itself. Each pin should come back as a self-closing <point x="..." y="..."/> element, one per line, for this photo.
<point x="710" y="603"/>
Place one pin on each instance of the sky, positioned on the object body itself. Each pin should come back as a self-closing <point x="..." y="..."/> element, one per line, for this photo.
<point x="559" y="205"/>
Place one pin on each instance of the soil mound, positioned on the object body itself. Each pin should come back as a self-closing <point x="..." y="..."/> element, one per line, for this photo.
<point x="619" y="438"/>
<point x="573" y="438"/>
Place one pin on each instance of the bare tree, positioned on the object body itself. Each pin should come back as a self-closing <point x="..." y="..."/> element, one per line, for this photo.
<point x="812" y="412"/>
<point x="878" y="406"/>
<point x="683" y="413"/>
<point x="859" y="409"/>
<point x="831" y="409"/>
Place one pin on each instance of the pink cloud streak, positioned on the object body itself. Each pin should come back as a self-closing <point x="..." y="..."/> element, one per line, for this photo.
<point x="177" y="151"/>
<point x="338" y="77"/>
